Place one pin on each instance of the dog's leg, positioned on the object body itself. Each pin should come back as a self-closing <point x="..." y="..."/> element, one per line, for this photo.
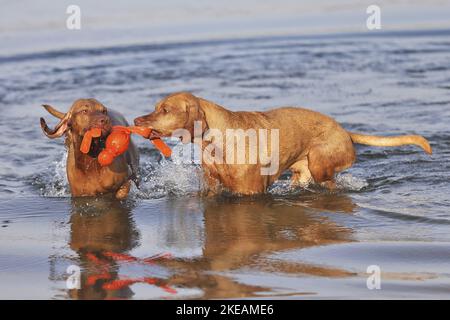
<point x="123" y="191"/>
<point x="301" y="176"/>
<point x="330" y="184"/>
<point x="211" y="185"/>
<point x="326" y="160"/>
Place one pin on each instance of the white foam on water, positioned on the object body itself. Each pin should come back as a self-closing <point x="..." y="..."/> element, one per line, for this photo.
<point x="158" y="179"/>
<point x="344" y="182"/>
<point x="284" y="188"/>
<point x="347" y="182"/>
<point x="53" y="182"/>
<point x="168" y="178"/>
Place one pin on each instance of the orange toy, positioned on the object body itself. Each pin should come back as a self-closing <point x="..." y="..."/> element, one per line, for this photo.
<point x="87" y="139"/>
<point x="118" y="141"/>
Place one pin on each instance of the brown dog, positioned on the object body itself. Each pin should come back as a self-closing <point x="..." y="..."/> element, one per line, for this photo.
<point x="313" y="146"/>
<point x="86" y="176"/>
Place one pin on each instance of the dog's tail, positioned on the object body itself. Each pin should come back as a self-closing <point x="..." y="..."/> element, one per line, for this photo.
<point x="380" y="141"/>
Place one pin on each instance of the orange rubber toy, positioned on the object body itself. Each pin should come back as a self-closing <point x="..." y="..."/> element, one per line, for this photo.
<point x="118" y="141"/>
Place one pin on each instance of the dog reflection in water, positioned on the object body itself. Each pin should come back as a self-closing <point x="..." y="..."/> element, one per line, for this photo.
<point x="243" y="234"/>
<point x="236" y="234"/>
<point x="102" y="231"/>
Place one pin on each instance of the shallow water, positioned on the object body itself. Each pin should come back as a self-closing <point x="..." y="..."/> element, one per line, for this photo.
<point x="392" y="208"/>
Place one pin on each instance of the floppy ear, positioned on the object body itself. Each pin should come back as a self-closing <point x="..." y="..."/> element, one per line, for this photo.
<point x="195" y="113"/>
<point x="61" y="127"/>
<point x="53" y="111"/>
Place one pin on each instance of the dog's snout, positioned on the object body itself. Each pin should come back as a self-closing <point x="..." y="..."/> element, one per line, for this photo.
<point x="138" y="121"/>
<point x="100" y="121"/>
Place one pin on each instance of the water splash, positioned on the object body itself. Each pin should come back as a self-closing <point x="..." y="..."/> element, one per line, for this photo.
<point x="165" y="177"/>
<point x="347" y="182"/>
<point x="158" y="179"/>
<point x="168" y="178"/>
<point x="53" y="181"/>
<point x="284" y="188"/>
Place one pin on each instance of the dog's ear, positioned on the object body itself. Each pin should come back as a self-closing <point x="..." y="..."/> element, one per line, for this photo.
<point x="61" y="127"/>
<point x="53" y="111"/>
<point x="195" y="113"/>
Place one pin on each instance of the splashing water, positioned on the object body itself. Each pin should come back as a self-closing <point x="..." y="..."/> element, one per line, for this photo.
<point x="166" y="177"/>
<point x="344" y="182"/>
<point x="159" y="179"/>
<point x="53" y="182"/>
<point x="347" y="182"/>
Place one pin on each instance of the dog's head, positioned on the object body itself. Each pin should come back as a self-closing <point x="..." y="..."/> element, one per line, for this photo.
<point x="177" y="111"/>
<point x="84" y="114"/>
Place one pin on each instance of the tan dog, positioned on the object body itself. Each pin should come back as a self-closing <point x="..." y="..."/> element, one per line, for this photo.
<point x="313" y="146"/>
<point x="86" y="176"/>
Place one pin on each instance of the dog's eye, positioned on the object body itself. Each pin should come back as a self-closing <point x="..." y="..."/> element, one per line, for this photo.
<point x="104" y="111"/>
<point x="165" y="110"/>
<point x="84" y="111"/>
